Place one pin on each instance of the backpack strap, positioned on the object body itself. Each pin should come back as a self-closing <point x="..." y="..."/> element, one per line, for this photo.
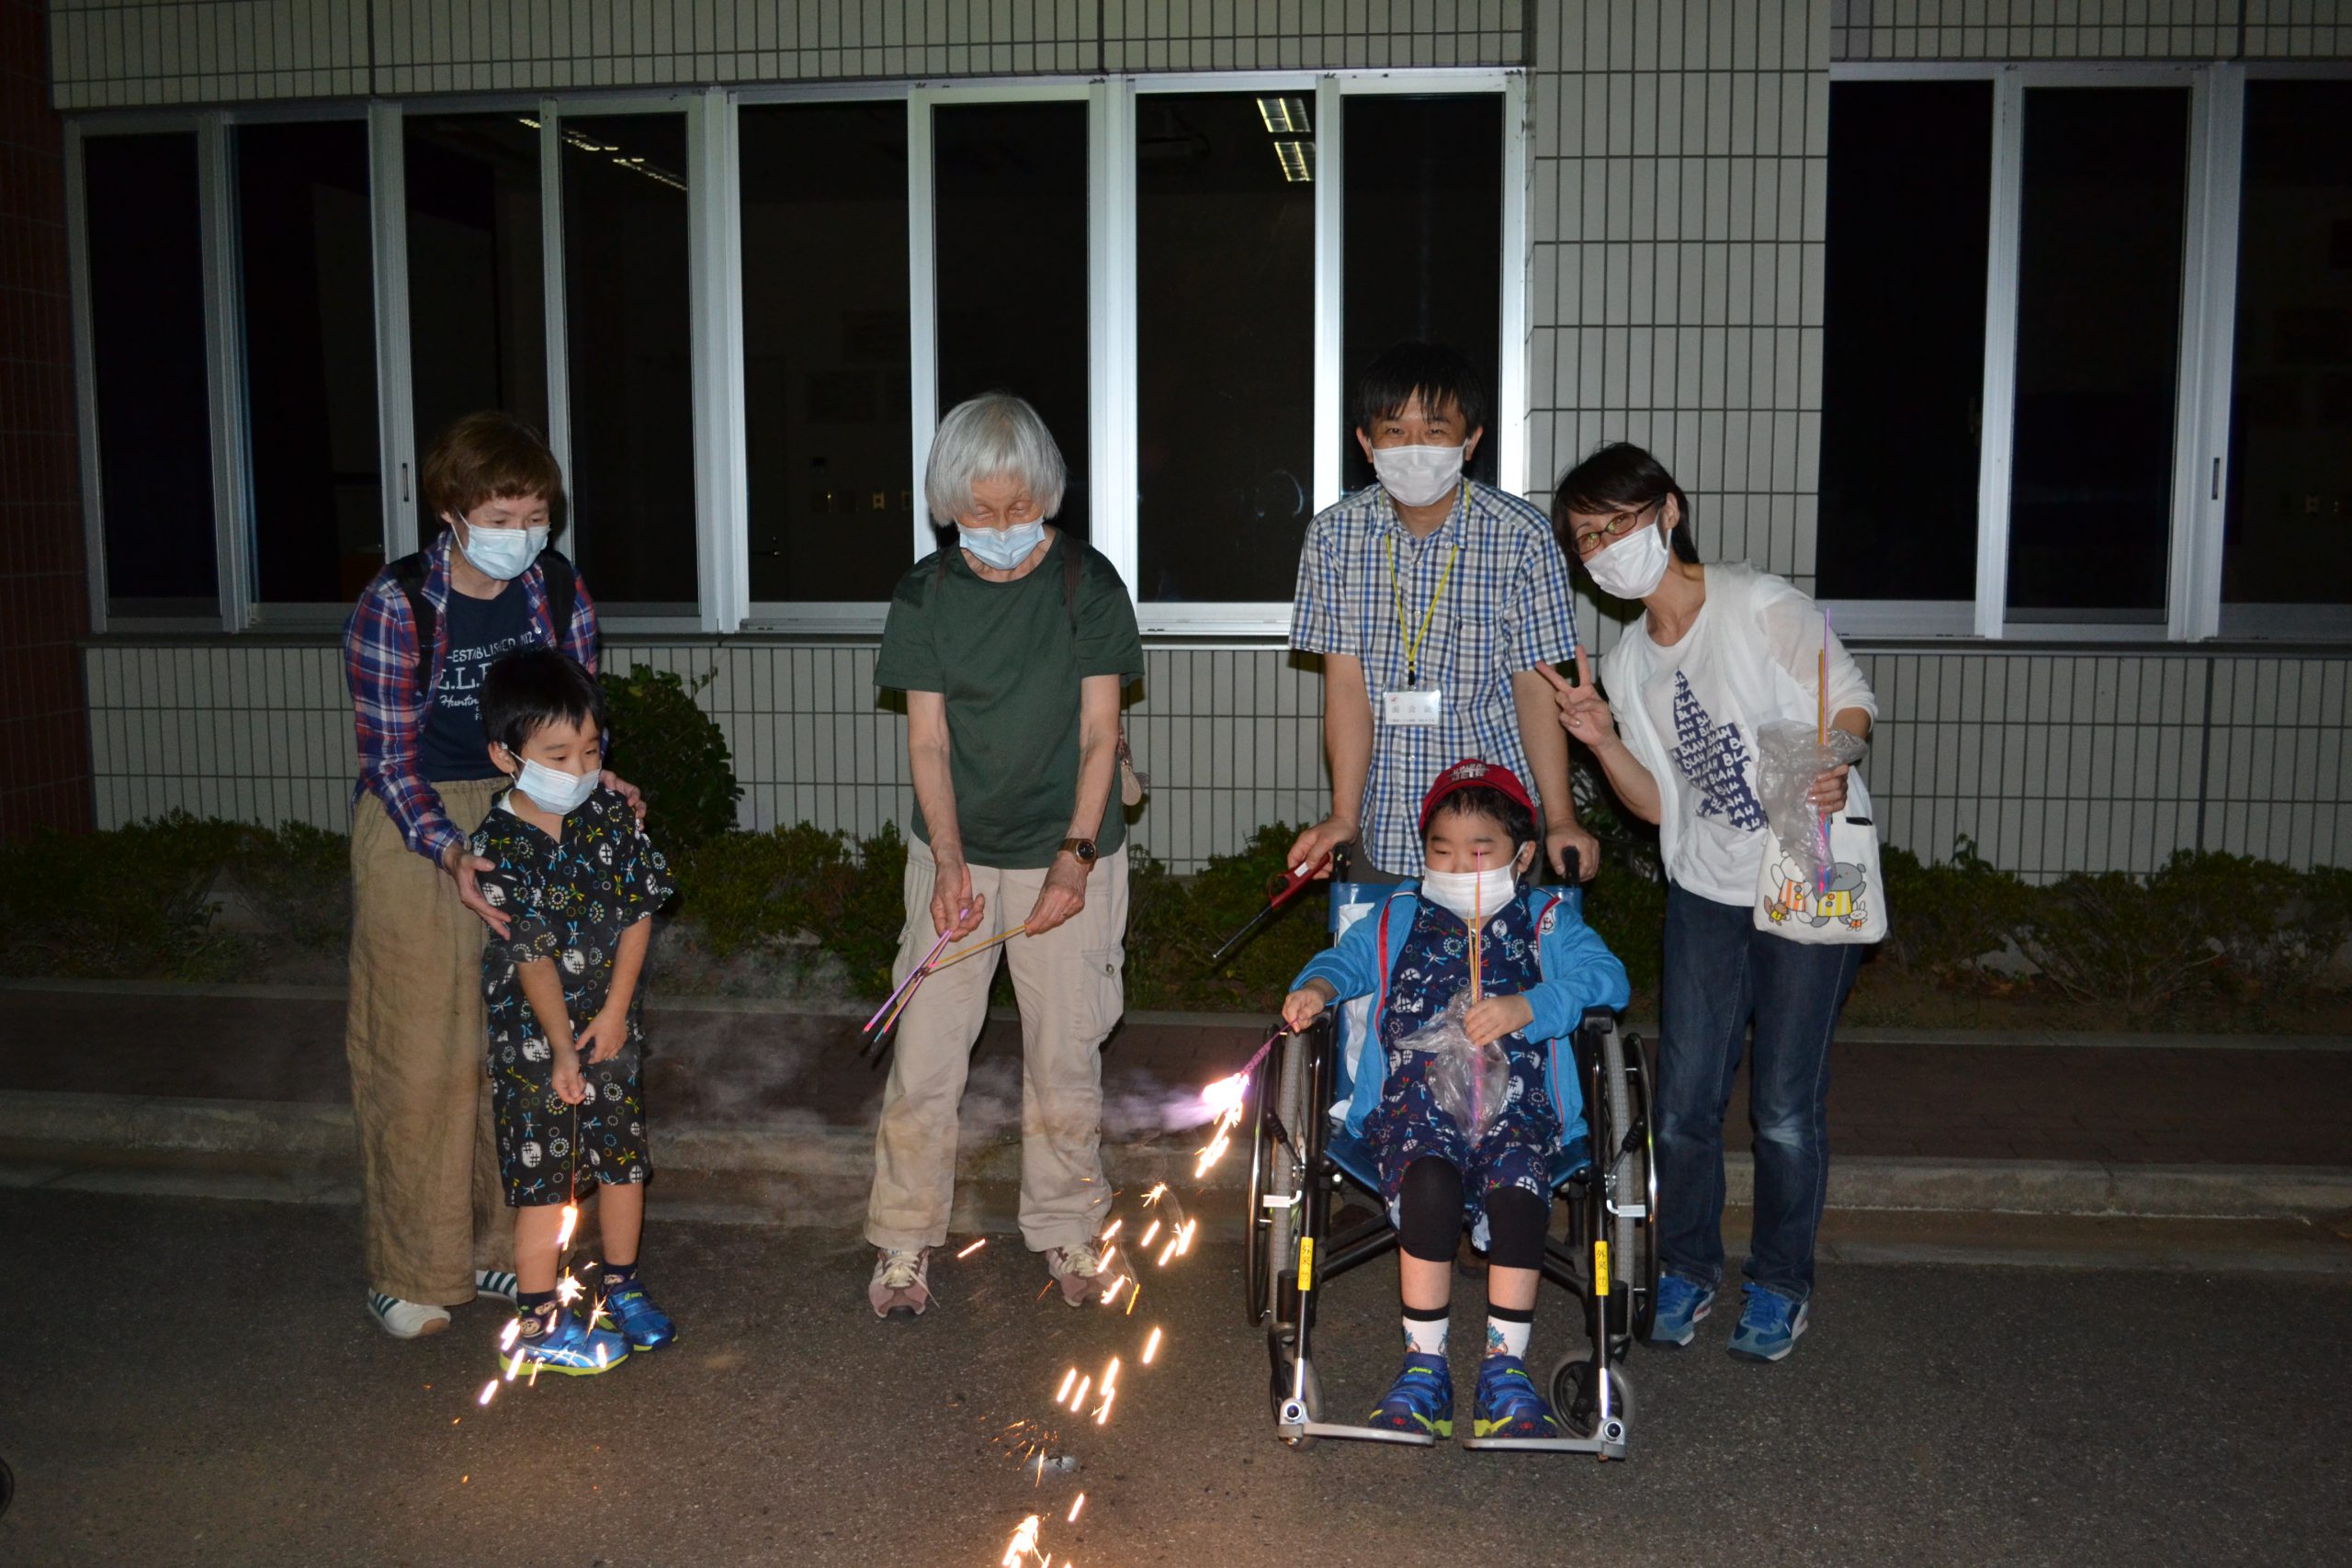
<point x="560" y="579"/>
<point x="409" y="572"/>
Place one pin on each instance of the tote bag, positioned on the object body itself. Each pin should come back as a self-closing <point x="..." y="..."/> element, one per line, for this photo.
<point x="1849" y="904"/>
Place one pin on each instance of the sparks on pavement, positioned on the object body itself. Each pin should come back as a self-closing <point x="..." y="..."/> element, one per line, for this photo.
<point x="1151" y="1348"/>
<point x="974" y="1247"/>
<point x="1076" y="1503"/>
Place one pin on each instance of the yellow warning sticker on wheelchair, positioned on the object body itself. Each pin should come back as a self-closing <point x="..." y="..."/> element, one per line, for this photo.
<point x="1306" y="1263"/>
<point x="1600" y="1268"/>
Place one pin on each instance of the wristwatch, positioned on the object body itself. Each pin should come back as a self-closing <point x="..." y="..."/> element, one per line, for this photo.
<point x="1083" y="848"/>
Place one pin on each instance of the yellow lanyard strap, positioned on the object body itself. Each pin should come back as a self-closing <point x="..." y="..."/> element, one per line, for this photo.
<point x="1414" y="639"/>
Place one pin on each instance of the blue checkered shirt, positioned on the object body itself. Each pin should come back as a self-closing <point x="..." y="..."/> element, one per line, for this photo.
<point x="1506" y="609"/>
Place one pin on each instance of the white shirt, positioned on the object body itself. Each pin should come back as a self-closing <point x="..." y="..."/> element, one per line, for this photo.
<point x="1751" y="657"/>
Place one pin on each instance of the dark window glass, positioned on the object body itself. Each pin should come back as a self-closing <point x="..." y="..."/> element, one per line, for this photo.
<point x="2098" y="348"/>
<point x="1010" y="204"/>
<point x="477" y="296"/>
<point x="1902" y="363"/>
<point x="827" y="451"/>
<point x="1424" y="242"/>
<point x="304" y="236"/>
<point x="1225" y="346"/>
<point x="146" y="262"/>
<point x="628" y="338"/>
<point x="2289" y="516"/>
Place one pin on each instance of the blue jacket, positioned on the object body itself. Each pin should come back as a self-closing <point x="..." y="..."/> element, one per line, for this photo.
<point x="1578" y="972"/>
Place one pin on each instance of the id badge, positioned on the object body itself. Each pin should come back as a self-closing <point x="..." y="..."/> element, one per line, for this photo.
<point x="1415" y="706"/>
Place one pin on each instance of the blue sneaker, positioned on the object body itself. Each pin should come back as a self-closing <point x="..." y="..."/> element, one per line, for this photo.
<point x="645" y="1326"/>
<point x="1680" y="1305"/>
<point x="572" y="1346"/>
<point x="1421" y="1400"/>
<point x="1768" y="1326"/>
<point x="1509" y="1405"/>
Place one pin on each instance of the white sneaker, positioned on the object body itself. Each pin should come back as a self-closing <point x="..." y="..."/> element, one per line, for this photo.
<point x="901" y="1284"/>
<point x="1079" y="1271"/>
<point x="496" y="1282"/>
<point x="406" y="1320"/>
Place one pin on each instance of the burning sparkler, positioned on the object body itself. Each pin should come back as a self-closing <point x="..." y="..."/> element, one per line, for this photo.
<point x="974" y="1247"/>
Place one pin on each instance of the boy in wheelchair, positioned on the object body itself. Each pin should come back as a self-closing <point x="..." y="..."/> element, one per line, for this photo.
<point x="1539" y="968"/>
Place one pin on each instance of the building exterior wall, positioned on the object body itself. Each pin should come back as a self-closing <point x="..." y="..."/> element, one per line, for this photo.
<point x="1675" y="228"/>
<point x="44" y="749"/>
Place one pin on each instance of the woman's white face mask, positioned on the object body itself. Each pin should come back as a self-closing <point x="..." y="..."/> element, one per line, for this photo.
<point x="1633" y="565"/>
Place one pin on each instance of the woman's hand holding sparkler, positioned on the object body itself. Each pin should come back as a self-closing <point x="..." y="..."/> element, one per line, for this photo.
<point x="955" y="911"/>
<point x="1496" y="1017"/>
<point x="570" y="1087"/>
<point x="1303" y="1006"/>
<point x="1063" y="894"/>
<point x="1828" y="792"/>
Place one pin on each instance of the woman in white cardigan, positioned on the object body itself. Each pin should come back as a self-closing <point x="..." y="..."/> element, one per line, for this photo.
<point x="1719" y="651"/>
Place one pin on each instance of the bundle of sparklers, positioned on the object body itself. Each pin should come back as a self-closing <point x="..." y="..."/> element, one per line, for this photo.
<point x="886" y="1016"/>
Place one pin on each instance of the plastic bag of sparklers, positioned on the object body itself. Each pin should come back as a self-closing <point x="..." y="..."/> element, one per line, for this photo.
<point x="1820" y="880"/>
<point x="1468" y="1082"/>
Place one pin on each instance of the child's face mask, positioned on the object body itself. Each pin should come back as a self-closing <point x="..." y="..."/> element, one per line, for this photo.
<point x="1471" y="895"/>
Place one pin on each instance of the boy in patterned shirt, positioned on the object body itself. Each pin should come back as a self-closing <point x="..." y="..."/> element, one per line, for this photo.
<point x="580" y="881"/>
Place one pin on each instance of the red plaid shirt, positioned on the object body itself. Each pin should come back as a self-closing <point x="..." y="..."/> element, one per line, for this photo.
<point x="379" y="661"/>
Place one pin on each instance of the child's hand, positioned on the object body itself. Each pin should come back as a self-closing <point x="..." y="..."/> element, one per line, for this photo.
<point x="605" y="1034"/>
<point x="570" y="1087"/>
<point x="1303" y="1006"/>
<point x="1496" y="1017"/>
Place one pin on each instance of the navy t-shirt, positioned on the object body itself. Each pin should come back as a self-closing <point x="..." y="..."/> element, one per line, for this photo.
<point x="480" y="630"/>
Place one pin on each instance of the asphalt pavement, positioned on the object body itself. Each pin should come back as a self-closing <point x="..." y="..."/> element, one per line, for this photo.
<point x="193" y="1382"/>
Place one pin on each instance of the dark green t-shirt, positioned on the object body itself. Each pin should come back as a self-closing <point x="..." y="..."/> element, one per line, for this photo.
<point x="1005" y="657"/>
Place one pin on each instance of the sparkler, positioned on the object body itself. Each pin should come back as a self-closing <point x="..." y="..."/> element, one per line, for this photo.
<point x="974" y="1247"/>
<point x="913" y="975"/>
<point x="1159" y="1191"/>
<point x="1477" y="918"/>
<point x="1021" y="930"/>
<point x="1024" y="1543"/>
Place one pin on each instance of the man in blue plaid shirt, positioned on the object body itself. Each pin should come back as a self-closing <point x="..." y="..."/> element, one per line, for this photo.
<point x="1432" y="599"/>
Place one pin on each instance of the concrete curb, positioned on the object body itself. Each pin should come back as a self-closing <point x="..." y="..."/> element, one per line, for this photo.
<point x="310" y="1151"/>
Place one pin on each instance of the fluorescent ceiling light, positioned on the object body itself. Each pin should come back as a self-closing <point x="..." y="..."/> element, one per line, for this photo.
<point x="1284" y="116"/>
<point x="1297" y="160"/>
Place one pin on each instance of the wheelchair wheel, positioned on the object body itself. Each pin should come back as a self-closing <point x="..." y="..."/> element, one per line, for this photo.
<point x="1645" y="1254"/>
<point x="1285" y="1178"/>
<point x="1257" y="1258"/>
<point x="1575" y="1398"/>
<point x="1630" y="1180"/>
<point x="1278" y="1390"/>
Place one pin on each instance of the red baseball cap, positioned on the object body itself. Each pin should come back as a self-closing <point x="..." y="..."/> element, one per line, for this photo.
<point x="1469" y="772"/>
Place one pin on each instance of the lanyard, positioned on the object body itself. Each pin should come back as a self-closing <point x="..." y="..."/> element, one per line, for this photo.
<point x="1413" y="639"/>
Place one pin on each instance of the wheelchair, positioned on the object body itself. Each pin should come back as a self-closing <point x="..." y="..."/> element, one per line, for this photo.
<point x="1303" y="1163"/>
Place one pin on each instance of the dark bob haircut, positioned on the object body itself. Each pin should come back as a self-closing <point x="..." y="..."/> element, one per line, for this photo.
<point x="485" y="457"/>
<point x="1486" y="800"/>
<point x="1619" y="477"/>
<point x="1438" y="372"/>
<point x="534" y="687"/>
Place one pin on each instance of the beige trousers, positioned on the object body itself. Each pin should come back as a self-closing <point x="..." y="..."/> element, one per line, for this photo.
<point x="432" y="1211"/>
<point x="1067" y="983"/>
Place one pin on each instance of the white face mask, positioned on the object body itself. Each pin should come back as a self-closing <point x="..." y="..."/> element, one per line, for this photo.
<point x="553" y="789"/>
<point x="1418" y="476"/>
<point x="501" y="553"/>
<point x="1471" y="895"/>
<point x="1002" y="548"/>
<point x="1633" y="565"/>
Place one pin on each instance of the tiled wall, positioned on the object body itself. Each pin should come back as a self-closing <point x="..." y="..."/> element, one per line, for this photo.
<point x="113" y="53"/>
<point x="44" y="753"/>
<point x="2088" y="29"/>
<point x="2048" y="762"/>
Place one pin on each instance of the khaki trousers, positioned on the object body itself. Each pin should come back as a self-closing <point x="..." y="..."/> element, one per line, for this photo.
<point x="1067" y="983"/>
<point x="431" y="1209"/>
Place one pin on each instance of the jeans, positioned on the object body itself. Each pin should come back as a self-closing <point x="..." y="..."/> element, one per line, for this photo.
<point x="1721" y="974"/>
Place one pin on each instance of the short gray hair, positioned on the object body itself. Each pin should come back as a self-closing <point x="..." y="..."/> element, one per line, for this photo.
<point x="981" y="438"/>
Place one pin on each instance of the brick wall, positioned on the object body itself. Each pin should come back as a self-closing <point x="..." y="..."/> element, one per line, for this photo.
<point x="44" y="730"/>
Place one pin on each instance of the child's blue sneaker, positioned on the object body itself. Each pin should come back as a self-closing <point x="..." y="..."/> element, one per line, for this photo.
<point x="1768" y="1326"/>
<point x="1680" y="1305"/>
<point x="645" y="1326"/>
<point x="572" y="1346"/>
<point x="1421" y="1401"/>
<point x="1510" y="1405"/>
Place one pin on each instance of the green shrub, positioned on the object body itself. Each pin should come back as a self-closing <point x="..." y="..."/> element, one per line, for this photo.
<point x="673" y="752"/>
<point x="1943" y="918"/>
<point x="746" y="890"/>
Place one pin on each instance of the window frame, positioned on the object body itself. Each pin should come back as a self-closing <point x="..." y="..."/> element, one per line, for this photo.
<point x="2204" y="369"/>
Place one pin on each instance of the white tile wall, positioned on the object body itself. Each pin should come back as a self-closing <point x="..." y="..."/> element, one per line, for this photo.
<point x="2088" y="29"/>
<point x="2049" y="762"/>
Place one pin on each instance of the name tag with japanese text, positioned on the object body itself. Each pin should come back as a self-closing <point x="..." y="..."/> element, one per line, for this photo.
<point x="1414" y="706"/>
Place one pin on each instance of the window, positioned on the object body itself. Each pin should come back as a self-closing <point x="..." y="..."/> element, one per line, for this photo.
<point x="1424" y="244"/>
<point x="826" y="409"/>
<point x="2287" y="538"/>
<point x="1224" y="341"/>
<point x="629" y="343"/>
<point x="1910" y="169"/>
<point x="1009" y="221"/>
<point x="146" y="307"/>
<point x="307" y="273"/>
<point x="477" y="292"/>
<point x="2102" y="221"/>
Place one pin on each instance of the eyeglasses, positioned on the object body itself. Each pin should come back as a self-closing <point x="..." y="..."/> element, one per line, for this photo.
<point x="1607" y="533"/>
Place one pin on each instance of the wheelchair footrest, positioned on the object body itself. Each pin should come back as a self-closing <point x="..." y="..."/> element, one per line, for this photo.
<point x="1600" y="1446"/>
<point x="1363" y="1434"/>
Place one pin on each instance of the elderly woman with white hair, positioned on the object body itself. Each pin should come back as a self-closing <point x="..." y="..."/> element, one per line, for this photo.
<point x="1011" y="648"/>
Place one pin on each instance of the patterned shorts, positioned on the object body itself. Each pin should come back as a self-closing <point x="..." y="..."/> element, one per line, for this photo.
<point x="1516" y="1151"/>
<point x="548" y="1150"/>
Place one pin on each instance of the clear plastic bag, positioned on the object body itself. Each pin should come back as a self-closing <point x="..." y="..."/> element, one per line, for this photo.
<point x="1469" y="1082"/>
<point x="1789" y="756"/>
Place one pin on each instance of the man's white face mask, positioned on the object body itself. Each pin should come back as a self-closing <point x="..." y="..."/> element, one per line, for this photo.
<point x="1418" y="476"/>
